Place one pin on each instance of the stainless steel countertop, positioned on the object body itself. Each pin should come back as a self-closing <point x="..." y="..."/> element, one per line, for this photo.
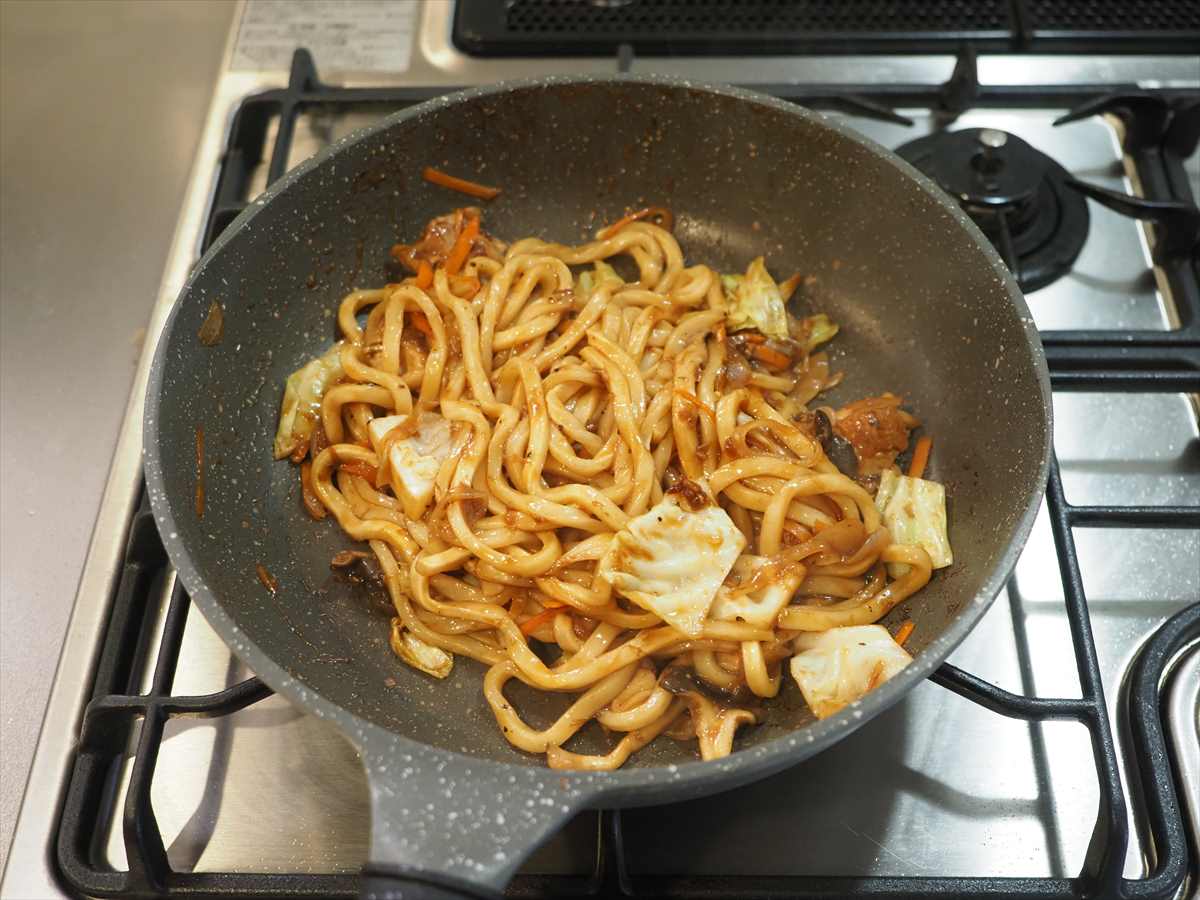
<point x="102" y="107"/>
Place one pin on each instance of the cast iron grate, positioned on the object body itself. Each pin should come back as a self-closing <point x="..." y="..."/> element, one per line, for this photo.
<point x="119" y="717"/>
<point x="729" y="27"/>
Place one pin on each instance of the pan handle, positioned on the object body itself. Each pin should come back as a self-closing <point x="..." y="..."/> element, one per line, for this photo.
<point x="394" y="883"/>
<point x="449" y="826"/>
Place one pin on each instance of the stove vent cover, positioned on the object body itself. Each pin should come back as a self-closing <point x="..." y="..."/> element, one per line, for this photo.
<point x="738" y="27"/>
<point x="1084" y="19"/>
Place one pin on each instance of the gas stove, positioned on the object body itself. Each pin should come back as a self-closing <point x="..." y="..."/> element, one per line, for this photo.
<point x="1057" y="754"/>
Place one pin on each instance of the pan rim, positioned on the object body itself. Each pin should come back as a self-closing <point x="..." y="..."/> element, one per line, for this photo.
<point x="623" y="785"/>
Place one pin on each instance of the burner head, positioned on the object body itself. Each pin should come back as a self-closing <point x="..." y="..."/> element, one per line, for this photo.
<point x="986" y="168"/>
<point x="1015" y="193"/>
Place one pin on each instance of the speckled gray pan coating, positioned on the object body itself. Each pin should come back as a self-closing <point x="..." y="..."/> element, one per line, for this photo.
<point x="926" y="309"/>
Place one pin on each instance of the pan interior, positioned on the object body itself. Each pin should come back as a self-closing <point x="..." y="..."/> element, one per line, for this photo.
<point x="922" y="309"/>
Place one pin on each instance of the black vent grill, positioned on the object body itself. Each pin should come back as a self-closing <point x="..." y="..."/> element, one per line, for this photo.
<point x="728" y="27"/>
<point x="1163" y="16"/>
<point x="721" y="17"/>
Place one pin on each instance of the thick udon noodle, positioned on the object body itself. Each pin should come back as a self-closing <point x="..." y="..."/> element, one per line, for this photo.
<point x="570" y="415"/>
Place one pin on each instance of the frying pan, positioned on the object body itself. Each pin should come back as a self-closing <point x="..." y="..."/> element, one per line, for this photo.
<point x="926" y="307"/>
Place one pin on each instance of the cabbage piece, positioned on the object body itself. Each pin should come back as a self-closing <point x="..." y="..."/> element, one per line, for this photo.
<point x="414" y="461"/>
<point x="838" y="666"/>
<point x="753" y="301"/>
<point x="815" y="331"/>
<point x="671" y="561"/>
<point x="914" y="511"/>
<point x="761" y="607"/>
<point x="422" y="656"/>
<point x="301" y="408"/>
<point x="587" y="282"/>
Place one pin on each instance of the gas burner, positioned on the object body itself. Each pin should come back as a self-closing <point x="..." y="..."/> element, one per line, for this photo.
<point x="1016" y="194"/>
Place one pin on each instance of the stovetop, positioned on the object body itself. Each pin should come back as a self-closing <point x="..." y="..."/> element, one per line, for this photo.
<point x="1047" y="796"/>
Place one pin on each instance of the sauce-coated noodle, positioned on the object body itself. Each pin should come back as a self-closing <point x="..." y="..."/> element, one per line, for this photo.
<point x="549" y="402"/>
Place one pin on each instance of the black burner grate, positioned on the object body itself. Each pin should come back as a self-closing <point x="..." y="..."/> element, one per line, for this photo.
<point x="118" y="716"/>
<point x="730" y="27"/>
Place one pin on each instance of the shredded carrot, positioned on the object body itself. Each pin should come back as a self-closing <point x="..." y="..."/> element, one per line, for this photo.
<point x="751" y="337"/>
<point x="421" y="324"/>
<point x="462" y="247"/>
<point x="618" y="225"/>
<point x="905" y="631"/>
<point x="356" y="467"/>
<point x="772" y="358"/>
<point x="424" y="274"/>
<point x="667" y="220"/>
<point x="531" y="625"/>
<point x="473" y="188"/>
<point x="920" y="458"/>
<point x="269" y="581"/>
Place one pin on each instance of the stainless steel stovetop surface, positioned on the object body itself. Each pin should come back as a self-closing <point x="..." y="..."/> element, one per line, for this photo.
<point x="935" y="786"/>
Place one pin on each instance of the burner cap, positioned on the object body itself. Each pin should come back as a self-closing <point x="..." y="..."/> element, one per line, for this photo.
<point x="1015" y="193"/>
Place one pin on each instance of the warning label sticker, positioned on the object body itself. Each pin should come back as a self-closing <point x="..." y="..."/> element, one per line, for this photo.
<point x="343" y="35"/>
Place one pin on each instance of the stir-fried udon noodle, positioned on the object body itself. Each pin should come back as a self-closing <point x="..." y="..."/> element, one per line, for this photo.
<point x="601" y="471"/>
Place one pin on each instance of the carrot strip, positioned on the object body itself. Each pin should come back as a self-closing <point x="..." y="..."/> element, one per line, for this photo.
<point x="617" y="226"/>
<point x="905" y="631"/>
<point x="664" y="214"/>
<point x="531" y="625"/>
<point x="751" y="337"/>
<point x="472" y="188"/>
<point x="920" y="458"/>
<point x="772" y="358"/>
<point x="462" y="247"/>
<point x="421" y="323"/>
<point x="269" y="581"/>
<point x="424" y="274"/>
